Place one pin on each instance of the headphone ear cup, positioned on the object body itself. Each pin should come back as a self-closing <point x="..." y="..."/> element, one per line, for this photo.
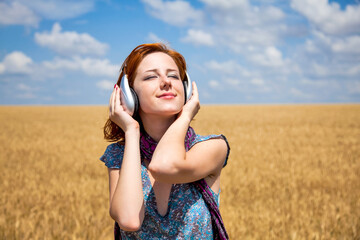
<point x="187" y="87"/>
<point x="128" y="97"/>
<point x="185" y="95"/>
<point x="136" y="101"/>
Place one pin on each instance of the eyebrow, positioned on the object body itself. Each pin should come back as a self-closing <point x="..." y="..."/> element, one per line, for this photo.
<point x="156" y="70"/>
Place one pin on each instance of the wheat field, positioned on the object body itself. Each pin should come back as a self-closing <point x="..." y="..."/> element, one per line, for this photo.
<point x="293" y="171"/>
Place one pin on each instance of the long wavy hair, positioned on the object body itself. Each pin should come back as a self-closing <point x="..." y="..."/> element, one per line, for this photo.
<point x="112" y="132"/>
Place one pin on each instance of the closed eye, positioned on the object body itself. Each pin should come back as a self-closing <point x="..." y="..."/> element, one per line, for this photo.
<point x="174" y="76"/>
<point x="149" y="77"/>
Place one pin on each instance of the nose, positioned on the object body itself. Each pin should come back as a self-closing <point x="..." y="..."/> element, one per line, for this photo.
<point x="165" y="82"/>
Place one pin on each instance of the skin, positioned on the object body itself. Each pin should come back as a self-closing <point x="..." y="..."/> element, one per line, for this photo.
<point x="166" y="119"/>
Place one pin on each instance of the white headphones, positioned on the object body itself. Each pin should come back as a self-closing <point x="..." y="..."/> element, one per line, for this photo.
<point x="130" y="100"/>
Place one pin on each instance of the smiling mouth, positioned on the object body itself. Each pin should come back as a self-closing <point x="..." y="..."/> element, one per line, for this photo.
<point x="167" y="96"/>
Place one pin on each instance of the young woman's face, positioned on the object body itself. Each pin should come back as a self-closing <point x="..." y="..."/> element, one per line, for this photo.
<point x="159" y="86"/>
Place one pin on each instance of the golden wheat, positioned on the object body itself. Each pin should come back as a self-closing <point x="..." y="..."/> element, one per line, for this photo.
<point x="293" y="172"/>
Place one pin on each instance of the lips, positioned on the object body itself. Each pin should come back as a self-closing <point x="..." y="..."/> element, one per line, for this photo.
<point x="167" y="95"/>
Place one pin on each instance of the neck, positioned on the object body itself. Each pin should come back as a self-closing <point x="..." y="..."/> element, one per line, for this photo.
<point x="156" y="125"/>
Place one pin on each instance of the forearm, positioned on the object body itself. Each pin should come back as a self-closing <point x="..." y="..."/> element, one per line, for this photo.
<point x="128" y="200"/>
<point x="170" y="150"/>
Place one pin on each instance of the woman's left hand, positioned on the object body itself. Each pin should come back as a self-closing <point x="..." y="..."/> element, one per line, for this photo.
<point x="192" y="106"/>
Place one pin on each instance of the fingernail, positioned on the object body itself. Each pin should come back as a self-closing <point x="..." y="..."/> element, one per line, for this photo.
<point x="115" y="85"/>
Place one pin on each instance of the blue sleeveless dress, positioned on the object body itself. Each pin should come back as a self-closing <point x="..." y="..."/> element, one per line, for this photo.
<point x="187" y="215"/>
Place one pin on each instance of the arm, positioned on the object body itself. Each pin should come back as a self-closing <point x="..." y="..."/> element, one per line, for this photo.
<point x="125" y="185"/>
<point x="202" y="160"/>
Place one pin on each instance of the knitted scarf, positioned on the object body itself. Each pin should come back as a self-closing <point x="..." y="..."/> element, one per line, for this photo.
<point x="147" y="147"/>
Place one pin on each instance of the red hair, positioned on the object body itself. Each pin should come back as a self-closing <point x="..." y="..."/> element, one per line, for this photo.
<point x="113" y="132"/>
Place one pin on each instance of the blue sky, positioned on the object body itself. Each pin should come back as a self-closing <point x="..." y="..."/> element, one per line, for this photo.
<point x="238" y="51"/>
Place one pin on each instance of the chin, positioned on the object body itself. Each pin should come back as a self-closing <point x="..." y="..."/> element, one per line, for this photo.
<point x="169" y="111"/>
<point x="171" y="107"/>
<point x="164" y="110"/>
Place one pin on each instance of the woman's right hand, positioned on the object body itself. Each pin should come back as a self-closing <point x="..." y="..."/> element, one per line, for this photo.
<point x="192" y="106"/>
<point x="117" y="113"/>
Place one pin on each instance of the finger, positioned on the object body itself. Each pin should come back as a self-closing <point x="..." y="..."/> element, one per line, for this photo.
<point x="195" y="92"/>
<point x="116" y="102"/>
<point x="117" y="98"/>
<point x="111" y="100"/>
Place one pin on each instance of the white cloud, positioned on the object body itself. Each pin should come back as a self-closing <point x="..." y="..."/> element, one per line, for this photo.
<point x="105" y="84"/>
<point x="300" y="94"/>
<point x="19" y="63"/>
<point x="178" y="12"/>
<point x="16" y="62"/>
<point x="68" y="93"/>
<point x="233" y="81"/>
<point x="239" y="6"/>
<point x="314" y="83"/>
<point x="271" y="58"/>
<point x="152" y="37"/>
<point x="274" y="13"/>
<point x="257" y="81"/>
<point x="227" y="4"/>
<point x="354" y="87"/>
<point x="89" y="66"/>
<point x="332" y="56"/>
<point x="25" y="91"/>
<point x="198" y="37"/>
<point x="228" y="67"/>
<point x="15" y="13"/>
<point x="334" y="69"/>
<point x="59" y="9"/>
<point x="214" y="84"/>
<point x="24" y="87"/>
<point x="26" y="95"/>
<point x="349" y="45"/>
<point x="328" y="17"/>
<point x="243" y="27"/>
<point x="70" y="43"/>
<point x="2" y="68"/>
<point x="354" y="70"/>
<point x="320" y="70"/>
<point x="30" y="13"/>
<point x="233" y="24"/>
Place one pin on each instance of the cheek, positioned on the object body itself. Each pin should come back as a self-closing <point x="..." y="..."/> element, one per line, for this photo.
<point x="181" y="91"/>
<point x="141" y="92"/>
<point x="146" y="98"/>
<point x="143" y="98"/>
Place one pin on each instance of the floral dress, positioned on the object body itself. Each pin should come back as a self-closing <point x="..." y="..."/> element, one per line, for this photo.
<point x="187" y="215"/>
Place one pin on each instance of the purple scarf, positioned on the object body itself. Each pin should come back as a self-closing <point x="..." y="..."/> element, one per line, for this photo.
<point x="147" y="147"/>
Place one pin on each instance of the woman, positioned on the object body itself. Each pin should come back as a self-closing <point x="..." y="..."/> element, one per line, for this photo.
<point x="161" y="188"/>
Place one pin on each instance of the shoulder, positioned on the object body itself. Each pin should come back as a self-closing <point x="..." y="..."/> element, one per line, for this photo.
<point x="221" y="143"/>
<point x="113" y="155"/>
